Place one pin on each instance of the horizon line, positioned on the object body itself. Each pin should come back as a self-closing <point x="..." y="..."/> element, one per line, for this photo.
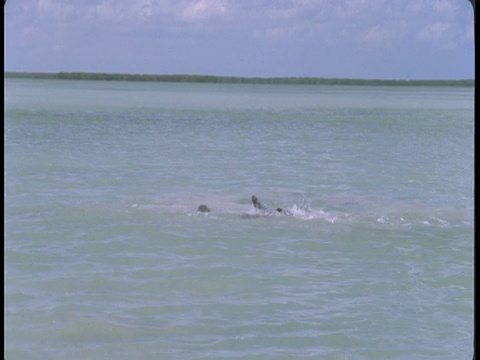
<point x="183" y="77"/>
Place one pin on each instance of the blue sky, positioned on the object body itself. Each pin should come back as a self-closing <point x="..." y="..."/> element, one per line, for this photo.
<point x="376" y="39"/>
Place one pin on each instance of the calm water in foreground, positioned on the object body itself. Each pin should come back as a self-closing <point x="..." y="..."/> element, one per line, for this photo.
<point x="106" y="256"/>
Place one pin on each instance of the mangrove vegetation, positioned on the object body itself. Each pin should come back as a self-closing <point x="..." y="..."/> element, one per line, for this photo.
<point x="234" y="79"/>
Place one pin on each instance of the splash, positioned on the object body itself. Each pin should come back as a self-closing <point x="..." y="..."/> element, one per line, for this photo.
<point x="366" y="211"/>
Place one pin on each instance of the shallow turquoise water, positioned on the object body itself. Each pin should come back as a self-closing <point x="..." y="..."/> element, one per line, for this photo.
<point x="106" y="256"/>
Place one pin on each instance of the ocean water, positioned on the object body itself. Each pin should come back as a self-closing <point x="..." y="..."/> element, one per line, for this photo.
<point x="106" y="256"/>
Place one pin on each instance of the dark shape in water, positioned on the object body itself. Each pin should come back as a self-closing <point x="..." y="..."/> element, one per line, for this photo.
<point x="257" y="204"/>
<point x="203" y="208"/>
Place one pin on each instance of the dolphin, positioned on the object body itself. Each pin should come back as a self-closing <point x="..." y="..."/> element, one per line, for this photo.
<point x="258" y="205"/>
<point x="203" y="208"/>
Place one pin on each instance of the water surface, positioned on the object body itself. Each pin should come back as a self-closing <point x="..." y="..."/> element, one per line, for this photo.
<point x="107" y="257"/>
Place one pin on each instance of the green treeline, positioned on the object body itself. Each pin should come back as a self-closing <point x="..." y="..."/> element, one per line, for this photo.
<point x="233" y="79"/>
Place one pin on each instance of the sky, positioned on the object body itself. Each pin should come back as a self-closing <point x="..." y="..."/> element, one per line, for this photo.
<point x="366" y="39"/>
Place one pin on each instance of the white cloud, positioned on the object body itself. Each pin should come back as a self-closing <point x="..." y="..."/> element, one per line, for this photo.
<point x="134" y="11"/>
<point x="376" y="35"/>
<point x="435" y="32"/>
<point x="59" y="10"/>
<point x="201" y="10"/>
<point x="372" y="22"/>
<point x="356" y="9"/>
<point x="445" y="7"/>
<point x="127" y="11"/>
<point x="367" y="22"/>
<point x="277" y="32"/>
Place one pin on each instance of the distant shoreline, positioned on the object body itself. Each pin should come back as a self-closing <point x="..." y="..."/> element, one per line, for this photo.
<point x="233" y="79"/>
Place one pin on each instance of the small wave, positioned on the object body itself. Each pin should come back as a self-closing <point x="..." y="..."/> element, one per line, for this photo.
<point x="442" y="222"/>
